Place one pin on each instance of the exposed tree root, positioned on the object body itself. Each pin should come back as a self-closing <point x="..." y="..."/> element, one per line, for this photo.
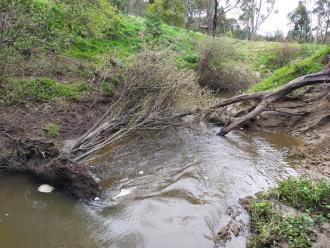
<point x="266" y="98"/>
<point x="45" y="162"/>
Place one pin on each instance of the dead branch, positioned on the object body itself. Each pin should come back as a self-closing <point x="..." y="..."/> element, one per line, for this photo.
<point x="154" y="95"/>
<point x="266" y="98"/>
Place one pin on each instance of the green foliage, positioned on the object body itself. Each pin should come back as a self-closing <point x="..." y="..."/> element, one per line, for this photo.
<point x="45" y="22"/>
<point x="122" y="5"/>
<point x="301" y="23"/>
<point x="153" y="26"/>
<point x="292" y="71"/>
<point x="270" y="225"/>
<point x="171" y="12"/>
<point x="19" y="91"/>
<point x="304" y="194"/>
<point x="52" y="130"/>
<point x="295" y="230"/>
<point x="220" y="67"/>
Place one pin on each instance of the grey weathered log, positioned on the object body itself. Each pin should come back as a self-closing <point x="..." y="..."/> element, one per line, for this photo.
<point x="266" y="98"/>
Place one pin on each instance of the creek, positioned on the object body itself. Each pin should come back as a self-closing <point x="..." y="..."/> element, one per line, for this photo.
<point x="161" y="190"/>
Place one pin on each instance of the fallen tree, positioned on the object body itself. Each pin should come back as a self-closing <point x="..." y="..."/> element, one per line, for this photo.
<point x="154" y="95"/>
<point x="264" y="99"/>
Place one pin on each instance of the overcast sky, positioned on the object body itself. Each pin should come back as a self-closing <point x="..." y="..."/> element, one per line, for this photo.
<point x="279" y="20"/>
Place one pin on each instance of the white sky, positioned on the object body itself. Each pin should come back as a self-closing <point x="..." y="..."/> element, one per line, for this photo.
<point x="280" y="20"/>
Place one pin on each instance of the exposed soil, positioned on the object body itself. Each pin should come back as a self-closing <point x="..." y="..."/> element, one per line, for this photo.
<point x="307" y="116"/>
<point x="25" y="148"/>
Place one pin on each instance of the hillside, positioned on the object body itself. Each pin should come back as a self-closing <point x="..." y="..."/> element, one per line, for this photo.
<point x="70" y="53"/>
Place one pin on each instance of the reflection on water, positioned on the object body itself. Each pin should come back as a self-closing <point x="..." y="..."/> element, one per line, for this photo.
<point x="164" y="190"/>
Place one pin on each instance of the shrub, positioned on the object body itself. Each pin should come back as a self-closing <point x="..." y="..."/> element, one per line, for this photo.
<point x="302" y="193"/>
<point x="153" y="26"/>
<point x="218" y="68"/>
<point x="284" y="54"/>
<point x="153" y="78"/>
<point x="277" y="57"/>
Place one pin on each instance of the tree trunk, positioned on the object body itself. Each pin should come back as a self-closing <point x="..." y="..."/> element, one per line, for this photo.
<point x="326" y="30"/>
<point x="215" y="18"/>
<point x="266" y="98"/>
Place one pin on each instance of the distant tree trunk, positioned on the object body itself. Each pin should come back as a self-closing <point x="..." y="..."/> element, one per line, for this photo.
<point x="136" y="7"/>
<point x="326" y="31"/>
<point x="215" y="18"/>
<point x="209" y="17"/>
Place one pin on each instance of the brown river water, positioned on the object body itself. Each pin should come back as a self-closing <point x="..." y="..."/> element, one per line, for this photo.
<point x="167" y="190"/>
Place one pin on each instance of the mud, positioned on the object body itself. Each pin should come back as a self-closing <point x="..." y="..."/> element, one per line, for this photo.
<point x="305" y="115"/>
<point x="26" y="149"/>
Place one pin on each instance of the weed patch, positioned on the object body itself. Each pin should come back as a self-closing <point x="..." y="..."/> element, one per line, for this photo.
<point x="52" y="131"/>
<point x="272" y="225"/>
<point x="19" y="91"/>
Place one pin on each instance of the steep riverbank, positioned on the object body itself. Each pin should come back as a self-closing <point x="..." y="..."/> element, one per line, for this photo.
<point x="28" y="147"/>
<point x="296" y="213"/>
<point x="304" y="115"/>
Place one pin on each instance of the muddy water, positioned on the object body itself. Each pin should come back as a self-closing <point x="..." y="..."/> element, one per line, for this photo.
<point x="170" y="189"/>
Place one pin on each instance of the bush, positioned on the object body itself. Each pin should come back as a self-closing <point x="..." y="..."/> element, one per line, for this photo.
<point x="218" y="68"/>
<point x="304" y="194"/>
<point x="277" y="57"/>
<point x="271" y="224"/>
<point x="153" y="26"/>
<point x="154" y="81"/>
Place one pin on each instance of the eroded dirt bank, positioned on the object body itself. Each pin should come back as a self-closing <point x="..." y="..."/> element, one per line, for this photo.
<point x="25" y="147"/>
<point x="305" y="115"/>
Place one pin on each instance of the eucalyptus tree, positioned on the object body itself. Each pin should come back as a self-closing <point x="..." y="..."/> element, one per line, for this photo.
<point x="301" y="23"/>
<point x="254" y="13"/>
<point x="322" y="12"/>
<point x="171" y="12"/>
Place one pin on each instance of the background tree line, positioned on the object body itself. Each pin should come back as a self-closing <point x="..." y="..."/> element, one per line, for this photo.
<point x="240" y="19"/>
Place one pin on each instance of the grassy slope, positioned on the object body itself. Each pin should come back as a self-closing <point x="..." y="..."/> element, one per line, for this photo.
<point x="79" y="60"/>
<point x="294" y="70"/>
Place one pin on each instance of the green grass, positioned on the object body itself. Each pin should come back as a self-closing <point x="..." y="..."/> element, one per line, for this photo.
<point x="132" y="39"/>
<point x="20" y="91"/>
<point x="292" y="71"/>
<point x="261" y="55"/>
<point x="270" y="225"/>
<point x="52" y="131"/>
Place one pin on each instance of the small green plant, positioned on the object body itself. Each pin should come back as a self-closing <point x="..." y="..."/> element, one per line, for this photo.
<point x="303" y="194"/>
<point x="52" y="131"/>
<point x="295" y="229"/>
<point x="270" y="225"/>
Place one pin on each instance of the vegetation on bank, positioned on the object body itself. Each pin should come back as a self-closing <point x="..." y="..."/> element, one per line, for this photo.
<point x="292" y="71"/>
<point x="65" y="49"/>
<point x="41" y="89"/>
<point x="290" y="214"/>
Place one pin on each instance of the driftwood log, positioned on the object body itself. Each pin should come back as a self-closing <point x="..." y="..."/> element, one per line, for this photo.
<point x="264" y="99"/>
